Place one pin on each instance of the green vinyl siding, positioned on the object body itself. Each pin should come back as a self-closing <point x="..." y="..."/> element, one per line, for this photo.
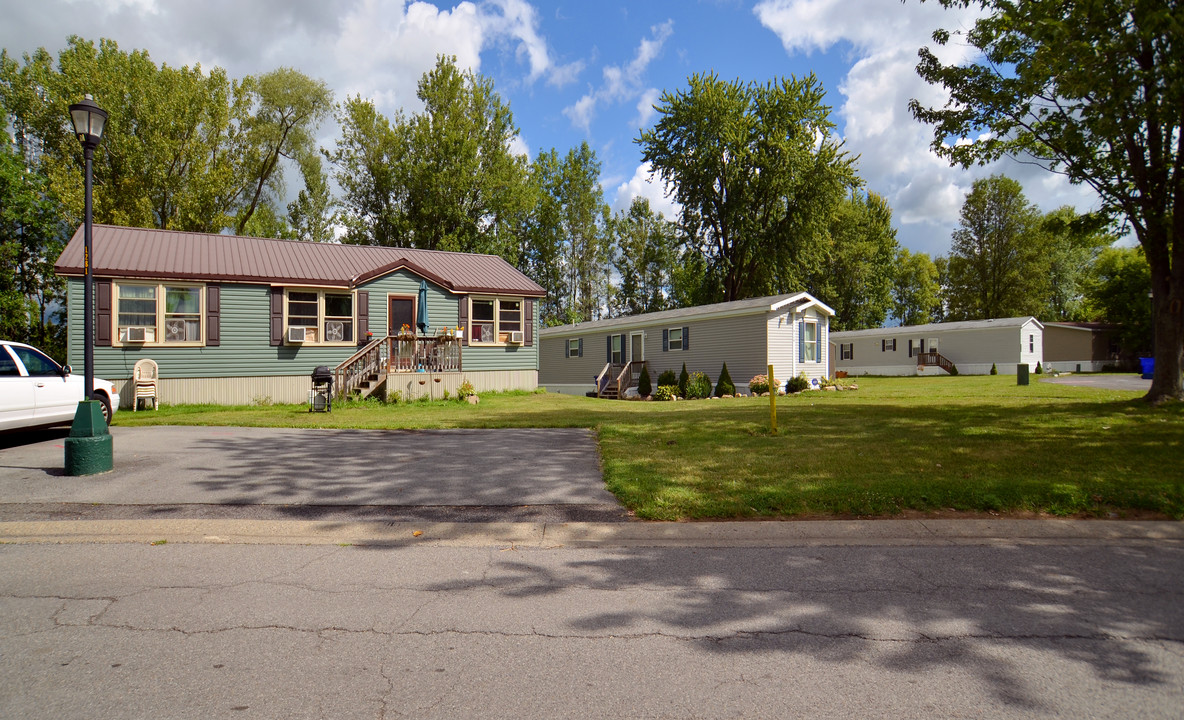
<point x="246" y="349"/>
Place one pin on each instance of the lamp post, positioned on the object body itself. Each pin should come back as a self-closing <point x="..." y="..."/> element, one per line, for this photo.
<point x="88" y="449"/>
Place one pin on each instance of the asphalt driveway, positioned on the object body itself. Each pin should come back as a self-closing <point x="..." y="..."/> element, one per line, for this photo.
<point x="1105" y="381"/>
<point x="293" y="468"/>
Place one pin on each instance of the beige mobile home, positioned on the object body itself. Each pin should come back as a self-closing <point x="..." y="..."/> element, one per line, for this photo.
<point x="971" y="346"/>
<point x="1080" y="346"/>
<point x="606" y="356"/>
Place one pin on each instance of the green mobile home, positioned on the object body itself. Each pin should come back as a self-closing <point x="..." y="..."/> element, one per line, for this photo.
<point x="236" y="320"/>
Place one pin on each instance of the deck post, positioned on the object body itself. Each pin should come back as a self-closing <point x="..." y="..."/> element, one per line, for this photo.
<point x="772" y="402"/>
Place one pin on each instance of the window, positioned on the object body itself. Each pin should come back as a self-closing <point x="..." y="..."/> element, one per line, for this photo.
<point x="326" y="316"/>
<point x="847" y="351"/>
<point x="1031" y="343"/>
<point x="141" y="317"/>
<point x="617" y="349"/>
<point x="36" y="364"/>
<point x="575" y="348"/>
<point x="675" y="342"/>
<point x="491" y="320"/>
<point x="888" y="345"/>
<point x="810" y="342"/>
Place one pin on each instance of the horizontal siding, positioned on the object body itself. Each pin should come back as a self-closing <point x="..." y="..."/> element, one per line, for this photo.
<point x="972" y="350"/>
<point x="783" y="346"/>
<point x="555" y="368"/>
<point x="246" y="350"/>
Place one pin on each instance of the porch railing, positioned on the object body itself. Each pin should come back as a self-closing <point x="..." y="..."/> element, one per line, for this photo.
<point x="935" y="358"/>
<point x="364" y="365"/>
<point x="395" y="354"/>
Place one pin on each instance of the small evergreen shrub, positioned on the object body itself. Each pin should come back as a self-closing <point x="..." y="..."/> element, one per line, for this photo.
<point x="994" y="370"/>
<point x="797" y="384"/>
<point x="1039" y="370"/>
<point x="698" y="386"/>
<point x="644" y="386"/>
<point x="953" y="369"/>
<point x="683" y="378"/>
<point x="665" y="392"/>
<point x="667" y="377"/>
<point x="725" y="386"/>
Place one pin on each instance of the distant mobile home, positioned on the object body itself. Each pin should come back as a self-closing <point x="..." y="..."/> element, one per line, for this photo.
<point x="972" y="346"/>
<point x="788" y="331"/>
<point x="1080" y="346"/>
<point x="236" y="320"/>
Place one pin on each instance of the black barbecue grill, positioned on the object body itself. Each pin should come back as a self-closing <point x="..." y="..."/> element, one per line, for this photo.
<point x="320" y="398"/>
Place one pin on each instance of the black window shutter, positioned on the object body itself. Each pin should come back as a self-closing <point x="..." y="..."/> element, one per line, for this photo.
<point x="883" y="345"/>
<point x="529" y="322"/>
<point x="686" y="338"/>
<point x="363" y="316"/>
<point x="277" y="316"/>
<point x="610" y="349"/>
<point x="910" y="347"/>
<point x="665" y="340"/>
<point x="462" y="314"/>
<point x="213" y="315"/>
<point x="580" y="351"/>
<point x="103" y="313"/>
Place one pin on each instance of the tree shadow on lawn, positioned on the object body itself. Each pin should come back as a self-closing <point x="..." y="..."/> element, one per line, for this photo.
<point x="908" y="610"/>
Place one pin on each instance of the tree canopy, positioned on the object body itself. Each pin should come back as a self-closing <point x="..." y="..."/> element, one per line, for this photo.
<point x="757" y="174"/>
<point x="1093" y="90"/>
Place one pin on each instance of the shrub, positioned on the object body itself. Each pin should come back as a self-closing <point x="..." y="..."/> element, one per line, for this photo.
<point x="760" y="384"/>
<point x="1039" y="370"/>
<point x="667" y="377"/>
<point x="683" y="378"/>
<point x="953" y="369"/>
<point x="797" y="384"/>
<point x="665" y="392"/>
<point x="994" y="370"/>
<point x="644" y="386"/>
<point x="725" y="386"/>
<point x="465" y="390"/>
<point x="698" y="386"/>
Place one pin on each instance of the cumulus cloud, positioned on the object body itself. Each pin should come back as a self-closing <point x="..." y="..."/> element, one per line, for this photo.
<point x="645" y="184"/>
<point x="621" y="83"/>
<point x="874" y="120"/>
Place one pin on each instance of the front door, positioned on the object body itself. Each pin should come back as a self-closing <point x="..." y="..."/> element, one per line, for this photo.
<point x="402" y="312"/>
<point x="636" y="348"/>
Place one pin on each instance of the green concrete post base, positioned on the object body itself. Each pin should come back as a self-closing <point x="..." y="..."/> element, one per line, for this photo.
<point x="89" y="450"/>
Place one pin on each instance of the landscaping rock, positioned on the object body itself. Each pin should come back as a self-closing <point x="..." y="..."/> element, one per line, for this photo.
<point x="473" y="399"/>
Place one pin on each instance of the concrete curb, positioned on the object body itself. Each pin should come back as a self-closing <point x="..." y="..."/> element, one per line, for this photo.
<point x="544" y="535"/>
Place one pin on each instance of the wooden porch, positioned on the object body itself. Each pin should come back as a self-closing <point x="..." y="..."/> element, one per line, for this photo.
<point x="614" y="380"/>
<point x="364" y="371"/>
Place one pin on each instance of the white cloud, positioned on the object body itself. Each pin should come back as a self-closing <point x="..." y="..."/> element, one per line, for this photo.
<point x="645" y="107"/>
<point x="645" y="184"/>
<point x="925" y="193"/>
<point x="621" y="83"/>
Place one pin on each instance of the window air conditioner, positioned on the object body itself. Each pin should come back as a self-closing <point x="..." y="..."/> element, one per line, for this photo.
<point x="516" y="337"/>
<point x="296" y="334"/>
<point x="134" y="334"/>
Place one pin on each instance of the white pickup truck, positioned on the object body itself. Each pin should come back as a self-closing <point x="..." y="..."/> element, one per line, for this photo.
<point x="37" y="392"/>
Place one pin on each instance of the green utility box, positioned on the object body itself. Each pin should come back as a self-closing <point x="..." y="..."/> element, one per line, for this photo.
<point x="1021" y="374"/>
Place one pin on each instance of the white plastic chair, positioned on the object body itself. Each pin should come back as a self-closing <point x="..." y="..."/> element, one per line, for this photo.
<point x="144" y="377"/>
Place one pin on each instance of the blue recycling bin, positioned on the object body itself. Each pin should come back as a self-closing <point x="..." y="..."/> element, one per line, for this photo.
<point x="1148" y="365"/>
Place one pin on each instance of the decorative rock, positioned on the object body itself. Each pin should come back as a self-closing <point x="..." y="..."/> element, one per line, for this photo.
<point x="473" y="399"/>
<point x="829" y="387"/>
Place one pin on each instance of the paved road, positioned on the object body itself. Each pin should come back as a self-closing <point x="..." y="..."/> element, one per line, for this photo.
<point x="993" y="630"/>
<point x="475" y="475"/>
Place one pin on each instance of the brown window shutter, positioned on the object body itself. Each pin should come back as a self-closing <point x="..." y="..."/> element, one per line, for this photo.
<point x="103" y="313"/>
<point x="529" y="322"/>
<point x="462" y="314"/>
<point x="363" y="316"/>
<point x="213" y="315"/>
<point x="277" y="316"/>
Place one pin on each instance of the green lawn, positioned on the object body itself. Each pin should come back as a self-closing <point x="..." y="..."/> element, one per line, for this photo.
<point x="894" y="445"/>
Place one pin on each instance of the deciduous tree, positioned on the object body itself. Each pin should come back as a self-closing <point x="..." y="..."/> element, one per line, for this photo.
<point x="757" y="174"/>
<point x="644" y="247"/>
<point x="916" y="290"/>
<point x="1092" y="90"/>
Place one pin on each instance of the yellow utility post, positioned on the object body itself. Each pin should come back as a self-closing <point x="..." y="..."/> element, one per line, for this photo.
<point x="772" y="401"/>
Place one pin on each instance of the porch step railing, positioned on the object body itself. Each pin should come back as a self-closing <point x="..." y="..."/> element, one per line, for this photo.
<point x="614" y="380"/>
<point x="363" y="371"/>
<point x="935" y="358"/>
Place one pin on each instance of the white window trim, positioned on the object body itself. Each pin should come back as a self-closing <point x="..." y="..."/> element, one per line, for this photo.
<point x="320" y="326"/>
<point x="570" y="354"/>
<point x="670" y="339"/>
<point x="497" y="319"/>
<point x="806" y="344"/>
<point x="158" y="329"/>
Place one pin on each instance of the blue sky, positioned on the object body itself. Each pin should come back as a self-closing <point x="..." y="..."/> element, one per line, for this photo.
<point x="576" y="71"/>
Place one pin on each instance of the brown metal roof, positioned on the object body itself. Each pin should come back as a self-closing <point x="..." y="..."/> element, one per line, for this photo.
<point x="147" y="253"/>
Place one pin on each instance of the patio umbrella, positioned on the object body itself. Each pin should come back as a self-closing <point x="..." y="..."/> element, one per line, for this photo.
<point x="421" y="318"/>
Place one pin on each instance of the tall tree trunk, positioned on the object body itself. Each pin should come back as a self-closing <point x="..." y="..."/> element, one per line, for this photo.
<point x="1167" y="321"/>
